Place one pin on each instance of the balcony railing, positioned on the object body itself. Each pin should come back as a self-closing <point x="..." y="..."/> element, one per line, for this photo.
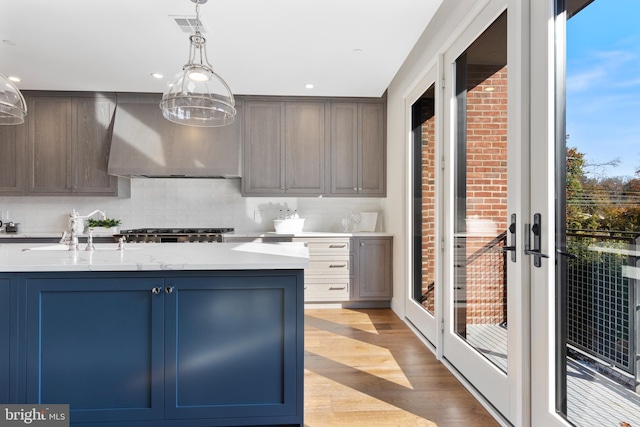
<point x="601" y="297"/>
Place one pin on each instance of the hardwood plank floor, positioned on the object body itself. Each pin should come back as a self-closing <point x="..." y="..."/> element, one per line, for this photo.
<point x="365" y="367"/>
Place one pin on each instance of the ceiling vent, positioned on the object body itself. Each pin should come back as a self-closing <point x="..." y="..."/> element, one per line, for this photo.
<point x="187" y="24"/>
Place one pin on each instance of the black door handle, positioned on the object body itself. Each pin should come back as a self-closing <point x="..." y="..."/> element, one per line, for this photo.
<point x="512" y="231"/>
<point x="536" y="251"/>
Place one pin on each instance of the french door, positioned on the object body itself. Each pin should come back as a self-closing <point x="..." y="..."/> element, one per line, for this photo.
<point x="422" y="305"/>
<point x="484" y="225"/>
<point x="487" y="223"/>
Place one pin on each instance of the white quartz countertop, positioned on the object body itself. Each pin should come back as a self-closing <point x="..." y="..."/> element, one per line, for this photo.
<point x="308" y="234"/>
<point x="19" y="257"/>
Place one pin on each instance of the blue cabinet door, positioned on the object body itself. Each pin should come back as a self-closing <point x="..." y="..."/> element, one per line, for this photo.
<point x="234" y="348"/>
<point x="5" y="340"/>
<point x="96" y="343"/>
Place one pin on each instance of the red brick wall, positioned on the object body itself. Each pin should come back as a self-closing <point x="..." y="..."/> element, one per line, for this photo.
<point x="428" y="205"/>
<point x="486" y="185"/>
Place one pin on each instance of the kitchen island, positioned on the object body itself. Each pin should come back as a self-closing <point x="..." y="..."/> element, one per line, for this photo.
<point x="178" y="335"/>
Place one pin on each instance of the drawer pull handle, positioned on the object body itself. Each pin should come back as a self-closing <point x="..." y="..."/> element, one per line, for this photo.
<point x="337" y="265"/>
<point x="337" y="289"/>
<point x="337" y="246"/>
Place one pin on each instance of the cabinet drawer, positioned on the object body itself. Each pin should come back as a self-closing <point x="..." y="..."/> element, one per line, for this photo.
<point x="327" y="246"/>
<point x="327" y="290"/>
<point x="329" y="266"/>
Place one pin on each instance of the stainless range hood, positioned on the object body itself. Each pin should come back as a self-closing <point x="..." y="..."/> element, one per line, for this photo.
<point x="145" y="144"/>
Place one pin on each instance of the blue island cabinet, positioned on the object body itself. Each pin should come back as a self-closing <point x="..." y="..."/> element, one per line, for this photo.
<point x="6" y="330"/>
<point x="177" y="349"/>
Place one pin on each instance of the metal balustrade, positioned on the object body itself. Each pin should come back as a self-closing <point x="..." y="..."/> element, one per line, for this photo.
<point x="601" y="296"/>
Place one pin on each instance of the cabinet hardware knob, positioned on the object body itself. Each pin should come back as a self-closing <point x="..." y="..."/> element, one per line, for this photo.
<point x="355" y="188"/>
<point x="155" y="290"/>
<point x="361" y="243"/>
<point x="168" y="289"/>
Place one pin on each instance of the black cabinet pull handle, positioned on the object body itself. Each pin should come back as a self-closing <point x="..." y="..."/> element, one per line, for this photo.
<point x="337" y="265"/>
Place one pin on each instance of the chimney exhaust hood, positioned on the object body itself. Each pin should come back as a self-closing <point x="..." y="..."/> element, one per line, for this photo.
<point x="145" y="144"/>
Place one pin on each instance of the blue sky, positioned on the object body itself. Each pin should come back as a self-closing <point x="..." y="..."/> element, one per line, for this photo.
<point x="603" y="84"/>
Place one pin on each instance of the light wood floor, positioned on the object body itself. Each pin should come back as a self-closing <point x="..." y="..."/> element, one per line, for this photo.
<point x="367" y="368"/>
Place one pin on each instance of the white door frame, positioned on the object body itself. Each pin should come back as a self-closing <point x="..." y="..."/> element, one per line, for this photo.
<point x="543" y="136"/>
<point x="425" y="322"/>
<point x="508" y="393"/>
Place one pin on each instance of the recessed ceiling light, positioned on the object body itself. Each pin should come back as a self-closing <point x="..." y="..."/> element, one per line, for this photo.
<point x="309" y="86"/>
<point x="157" y="75"/>
<point x="357" y="51"/>
<point x="14" y="79"/>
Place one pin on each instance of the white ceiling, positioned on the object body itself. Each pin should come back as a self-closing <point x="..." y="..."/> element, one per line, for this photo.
<point x="259" y="47"/>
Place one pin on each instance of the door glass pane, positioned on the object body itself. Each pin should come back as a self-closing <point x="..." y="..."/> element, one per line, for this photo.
<point x="423" y="128"/>
<point x="480" y="288"/>
<point x="599" y="215"/>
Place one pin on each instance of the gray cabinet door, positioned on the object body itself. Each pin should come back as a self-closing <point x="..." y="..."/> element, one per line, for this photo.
<point x="68" y="139"/>
<point x="373" y="278"/>
<point x="344" y="148"/>
<point x="12" y="160"/>
<point x="92" y="128"/>
<point x="264" y="148"/>
<point x="48" y="143"/>
<point x="358" y="149"/>
<point x="371" y="149"/>
<point x="305" y="148"/>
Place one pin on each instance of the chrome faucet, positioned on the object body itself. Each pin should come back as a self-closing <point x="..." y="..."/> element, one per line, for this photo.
<point x="76" y="222"/>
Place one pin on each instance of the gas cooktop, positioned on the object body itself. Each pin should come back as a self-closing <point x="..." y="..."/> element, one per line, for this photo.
<point x="173" y="235"/>
<point x="177" y="231"/>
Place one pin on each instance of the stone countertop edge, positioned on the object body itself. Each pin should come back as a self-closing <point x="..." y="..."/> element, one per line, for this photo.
<point x="43" y="234"/>
<point x="311" y="234"/>
<point x="154" y="257"/>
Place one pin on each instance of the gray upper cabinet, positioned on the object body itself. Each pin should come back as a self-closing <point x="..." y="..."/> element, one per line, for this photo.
<point x="285" y="148"/>
<point x="264" y="148"/>
<point x="68" y="144"/>
<point x="11" y="160"/>
<point x="305" y="147"/>
<point x="49" y="145"/>
<point x="358" y="147"/>
<point x="314" y="147"/>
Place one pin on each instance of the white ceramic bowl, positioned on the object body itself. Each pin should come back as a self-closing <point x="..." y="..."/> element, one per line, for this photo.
<point x="288" y="225"/>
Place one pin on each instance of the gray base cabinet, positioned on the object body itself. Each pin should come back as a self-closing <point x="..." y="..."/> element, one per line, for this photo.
<point x="373" y="275"/>
<point x="343" y="269"/>
<point x="172" y="349"/>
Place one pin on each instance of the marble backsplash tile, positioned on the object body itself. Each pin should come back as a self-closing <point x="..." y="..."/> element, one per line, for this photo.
<point x="186" y="203"/>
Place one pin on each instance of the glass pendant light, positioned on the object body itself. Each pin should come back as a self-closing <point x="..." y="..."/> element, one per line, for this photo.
<point x="197" y="96"/>
<point x="12" y="105"/>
